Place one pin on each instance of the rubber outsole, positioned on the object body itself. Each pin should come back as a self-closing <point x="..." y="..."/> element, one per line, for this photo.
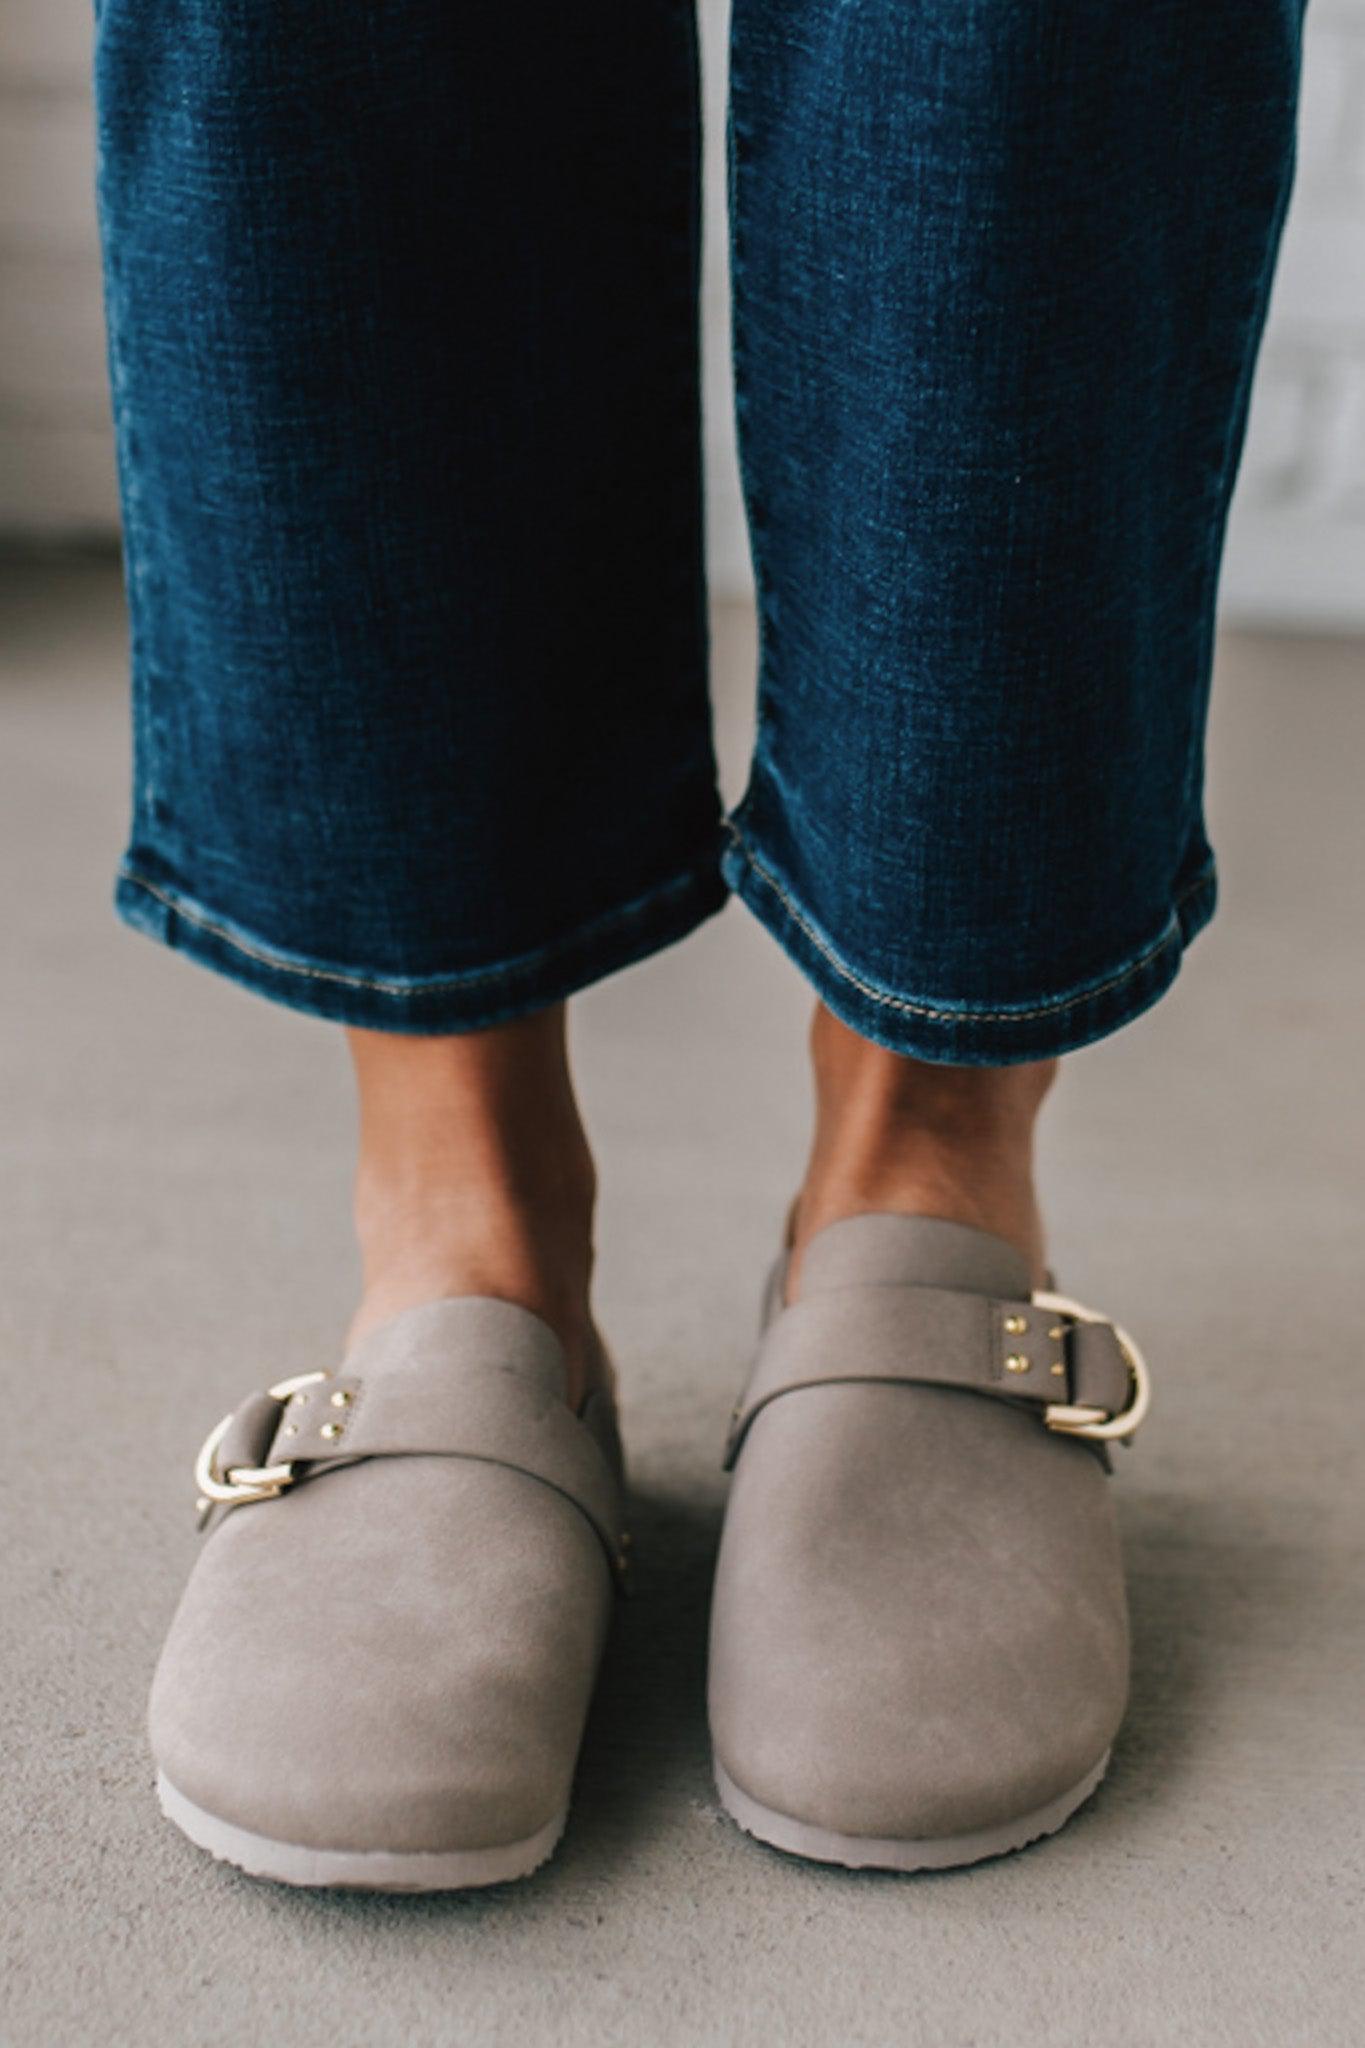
<point x="873" y="1852"/>
<point x="369" y="1870"/>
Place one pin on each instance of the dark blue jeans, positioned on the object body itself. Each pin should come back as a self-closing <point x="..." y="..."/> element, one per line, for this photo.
<point x="403" y="332"/>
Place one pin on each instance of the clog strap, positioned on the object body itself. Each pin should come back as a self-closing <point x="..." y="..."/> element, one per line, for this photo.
<point x="1078" y="1371"/>
<point x="304" y="1428"/>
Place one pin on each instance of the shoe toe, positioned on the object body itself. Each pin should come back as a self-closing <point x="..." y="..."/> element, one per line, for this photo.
<point x="397" y="1658"/>
<point x="919" y="1629"/>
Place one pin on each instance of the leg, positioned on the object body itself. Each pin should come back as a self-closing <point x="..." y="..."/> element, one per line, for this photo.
<point x="992" y="390"/>
<point x="899" y="1134"/>
<point x="403" y="339"/>
<point x="475" y="1178"/>
<point x="1000" y="276"/>
<point x="402" y="332"/>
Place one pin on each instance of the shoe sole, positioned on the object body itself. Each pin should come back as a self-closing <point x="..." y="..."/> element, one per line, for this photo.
<point x="872" y="1852"/>
<point x="368" y="1870"/>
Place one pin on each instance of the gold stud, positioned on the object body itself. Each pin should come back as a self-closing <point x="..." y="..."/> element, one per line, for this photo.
<point x="1016" y="1362"/>
<point x="342" y="1398"/>
<point x="1058" y="1371"/>
<point x="332" y="1430"/>
<point x="299" y="1401"/>
<point x="1057" y="1330"/>
<point x="1016" y="1325"/>
<point x="291" y="1429"/>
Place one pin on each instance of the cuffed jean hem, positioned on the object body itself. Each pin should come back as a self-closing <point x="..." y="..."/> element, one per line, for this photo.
<point x="965" y="1034"/>
<point x="428" y="1004"/>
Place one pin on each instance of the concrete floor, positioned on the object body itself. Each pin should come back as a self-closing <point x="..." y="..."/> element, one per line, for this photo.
<point x="173" y="1230"/>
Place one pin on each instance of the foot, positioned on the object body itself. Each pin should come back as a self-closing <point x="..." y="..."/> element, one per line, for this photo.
<point x="919" y="1640"/>
<point x="380" y="1669"/>
<point x="899" y="1135"/>
<point x="475" y="1178"/>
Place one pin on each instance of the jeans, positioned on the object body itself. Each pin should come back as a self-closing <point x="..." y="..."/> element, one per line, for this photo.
<point x="402" y="308"/>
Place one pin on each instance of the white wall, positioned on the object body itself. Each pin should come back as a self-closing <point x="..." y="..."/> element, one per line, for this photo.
<point x="1296" y="546"/>
<point x="1297" y="553"/>
<point x="56" y="464"/>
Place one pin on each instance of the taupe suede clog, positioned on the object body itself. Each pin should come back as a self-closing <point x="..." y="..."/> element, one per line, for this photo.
<point x="919" y="1638"/>
<point x="380" y="1670"/>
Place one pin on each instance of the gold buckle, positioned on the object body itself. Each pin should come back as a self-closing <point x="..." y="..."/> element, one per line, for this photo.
<point x="1097" y="1422"/>
<point x="245" y="1482"/>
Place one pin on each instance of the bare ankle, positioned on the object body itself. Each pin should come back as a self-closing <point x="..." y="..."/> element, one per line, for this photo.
<point x="900" y="1134"/>
<point x="475" y="1177"/>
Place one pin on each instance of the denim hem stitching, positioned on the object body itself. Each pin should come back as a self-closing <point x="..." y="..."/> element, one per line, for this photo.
<point x="966" y="1014"/>
<point x="180" y="907"/>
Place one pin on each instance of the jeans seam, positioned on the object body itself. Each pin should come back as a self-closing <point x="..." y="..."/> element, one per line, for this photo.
<point x="264" y="956"/>
<point x="966" y="1013"/>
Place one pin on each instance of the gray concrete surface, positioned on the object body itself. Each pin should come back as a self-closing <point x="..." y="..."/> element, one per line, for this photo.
<point x="173" y="1231"/>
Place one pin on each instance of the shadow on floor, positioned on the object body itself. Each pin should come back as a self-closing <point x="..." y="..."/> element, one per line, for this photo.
<point x="1219" y="1590"/>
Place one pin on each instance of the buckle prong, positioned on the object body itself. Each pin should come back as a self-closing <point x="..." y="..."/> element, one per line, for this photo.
<point x="1098" y="1423"/>
<point x="246" y="1482"/>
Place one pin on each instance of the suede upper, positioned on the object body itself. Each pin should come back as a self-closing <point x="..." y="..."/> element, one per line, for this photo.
<point x="398" y="1653"/>
<point x="919" y="1626"/>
